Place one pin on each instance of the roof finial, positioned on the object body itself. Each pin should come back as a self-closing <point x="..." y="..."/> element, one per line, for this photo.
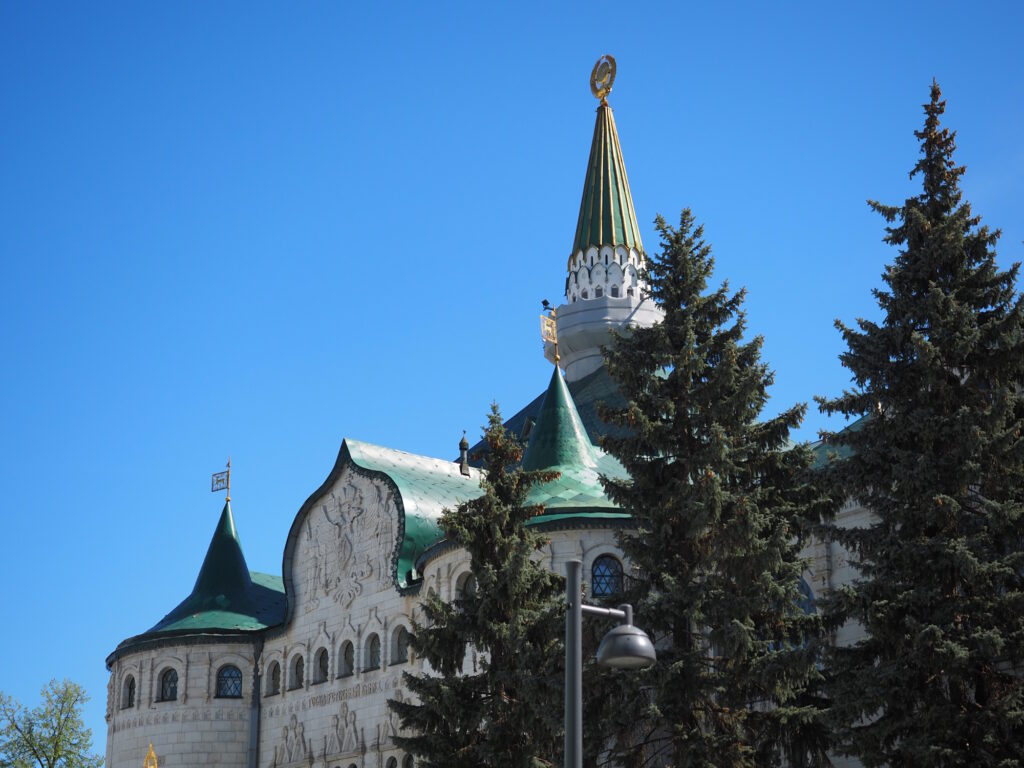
<point x="549" y="327"/>
<point x="602" y="77"/>
<point x="221" y="481"/>
<point x="150" y="760"/>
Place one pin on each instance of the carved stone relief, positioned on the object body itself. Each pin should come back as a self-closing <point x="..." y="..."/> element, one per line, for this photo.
<point x="348" y="542"/>
<point x="293" y="747"/>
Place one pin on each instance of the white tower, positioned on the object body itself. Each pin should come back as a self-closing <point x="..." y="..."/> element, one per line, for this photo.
<point x="604" y="290"/>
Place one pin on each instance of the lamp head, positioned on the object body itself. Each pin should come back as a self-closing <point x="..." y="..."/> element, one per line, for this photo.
<point x="626" y="647"/>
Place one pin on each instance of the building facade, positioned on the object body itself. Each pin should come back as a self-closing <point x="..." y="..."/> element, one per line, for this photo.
<point x="263" y="671"/>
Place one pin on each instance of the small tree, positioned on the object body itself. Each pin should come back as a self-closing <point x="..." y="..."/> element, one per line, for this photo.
<point x="719" y="499"/>
<point x="508" y="713"/>
<point x="938" y="457"/>
<point x="50" y="736"/>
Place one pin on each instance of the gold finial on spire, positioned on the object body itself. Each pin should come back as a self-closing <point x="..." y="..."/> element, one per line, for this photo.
<point x="602" y="77"/>
<point x="222" y="480"/>
<point x="549" y="327"/>
<point x="150" y="761"/>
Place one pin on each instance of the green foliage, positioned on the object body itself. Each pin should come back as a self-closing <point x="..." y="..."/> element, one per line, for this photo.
<point x="506" y="708"/>
<point x="938" y="457"/>
<point x="50" y="736"/>
<point x="719" y="500"/>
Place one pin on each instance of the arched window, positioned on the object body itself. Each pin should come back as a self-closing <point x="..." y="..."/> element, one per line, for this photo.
<point x="168" y="685"/>
<point x="465" y="585"/>
<point x="229" y="682"/>
<point x="298" y="673"/>
<point x="407" y="761"/>
<point x="606" y="577"/>
<point x="615" y="291"/>
<point x="320" y="670"/>
<point x="128" y="693"/>
<point x="347" y="665"/>
<point x="274" y="684"/>
<point x="400" y="646"/>
<point x="373" y="652"/>
<point x="629" y="291"/>
<point x="392" y="762"/>
<point x="583" y="294"/>
<point x="598" y="292"/>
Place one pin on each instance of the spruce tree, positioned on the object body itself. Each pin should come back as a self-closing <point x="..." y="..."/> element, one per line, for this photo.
<point x="719" y="500"/>
<point x="509" y="712"/>
<point x="938" y="457"/>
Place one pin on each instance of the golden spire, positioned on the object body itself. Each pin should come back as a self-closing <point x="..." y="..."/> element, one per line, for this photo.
<point x="150" y="761"/>
<point x="602" y="77"/>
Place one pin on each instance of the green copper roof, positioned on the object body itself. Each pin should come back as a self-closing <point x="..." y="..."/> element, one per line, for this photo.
<point x="559" y="441"/>
<point x="226" y="596"/>
<point x="426" y="487"/>
<point x="606" y="211"/>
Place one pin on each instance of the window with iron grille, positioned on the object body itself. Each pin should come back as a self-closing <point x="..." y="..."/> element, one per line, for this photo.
<point x="168" y="685"/>
<point x="229" y="682"/>
<point x="606" y="577"/>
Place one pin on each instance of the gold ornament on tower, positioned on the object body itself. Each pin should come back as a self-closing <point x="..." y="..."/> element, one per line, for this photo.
<point x="150" y="761"/>
<point x="602" y="77"/>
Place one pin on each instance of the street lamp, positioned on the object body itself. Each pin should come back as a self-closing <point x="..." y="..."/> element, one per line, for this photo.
<point x="624" y="647"/>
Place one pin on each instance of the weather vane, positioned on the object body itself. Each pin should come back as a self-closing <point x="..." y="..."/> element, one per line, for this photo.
<point x="602" y="77"/>
<point x="222" y="481"/>
<point x="549" y="327"/>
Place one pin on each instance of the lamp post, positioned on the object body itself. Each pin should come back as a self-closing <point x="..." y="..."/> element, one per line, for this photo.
<point x="624" y="647"/>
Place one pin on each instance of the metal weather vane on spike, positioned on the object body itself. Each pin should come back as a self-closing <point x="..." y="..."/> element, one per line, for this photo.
<point x="602" y="77"/>
<point x="222" y="481"/>
<point x="549" y="327"/>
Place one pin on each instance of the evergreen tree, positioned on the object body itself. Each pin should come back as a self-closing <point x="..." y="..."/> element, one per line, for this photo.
<point x="509" y="713"/>
<point x="52" y="735"/>
<point x="719" y="500"/>
<point x="938" y="457"/>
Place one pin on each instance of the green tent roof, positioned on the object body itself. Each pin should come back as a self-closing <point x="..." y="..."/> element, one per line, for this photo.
<point x="559" y="441"/>
<point x="606" y="216"/>
<point x="226" y="596"/>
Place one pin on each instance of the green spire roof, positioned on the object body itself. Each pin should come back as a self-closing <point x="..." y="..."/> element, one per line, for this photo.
<point x="558" y="441"/>
<point x="226" y="596"/>
<point x="606" y="211"/>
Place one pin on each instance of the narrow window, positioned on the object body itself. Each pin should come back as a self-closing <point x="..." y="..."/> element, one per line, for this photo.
<point x="598" y="292"/>
<point x="392" y="762"/>
<point x="348" y="660"/>
<point x="629" y="291"/>
<point x="168" y="685"/>
<point x="320" y="673"/>
<point x="615" y="291"/>
<point x="274" y="685"/>
<point x="229" y="682"/>
<point x="298" y="673"/>
<point x="400" y="646"/>
<point x="606" y="577"/>
<point x="373" y="652"/>
<point x="583" y="294"/>
<point x="606" y="259"/>
<point x="407" y="761"/>
<point x="128" y="693"/>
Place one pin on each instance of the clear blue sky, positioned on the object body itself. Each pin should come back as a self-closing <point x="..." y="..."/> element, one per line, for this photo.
<point x="256" y="229"/>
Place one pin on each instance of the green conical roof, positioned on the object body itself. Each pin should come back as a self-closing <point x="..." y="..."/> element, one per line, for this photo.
<point x="606" y="211"/>
<point x="558" y="439"/>
<point x="225" y="596"/>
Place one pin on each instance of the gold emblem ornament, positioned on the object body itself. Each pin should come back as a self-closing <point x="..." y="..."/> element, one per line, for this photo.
<point x="602" y="77"/>
<point x="150" y="761"/>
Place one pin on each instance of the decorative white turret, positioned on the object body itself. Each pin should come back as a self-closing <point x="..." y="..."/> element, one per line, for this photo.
<point x="603" y="290"/>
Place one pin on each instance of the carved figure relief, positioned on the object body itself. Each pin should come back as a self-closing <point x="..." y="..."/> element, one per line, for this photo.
<point x="293" y="747"/>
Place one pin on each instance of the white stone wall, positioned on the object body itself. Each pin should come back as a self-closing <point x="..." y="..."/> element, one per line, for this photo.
<point x="343" y="592"/>
<point x="197" y="728"/>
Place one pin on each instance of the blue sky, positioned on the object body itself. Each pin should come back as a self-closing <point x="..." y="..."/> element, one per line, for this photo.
<point x="255" y="229"/>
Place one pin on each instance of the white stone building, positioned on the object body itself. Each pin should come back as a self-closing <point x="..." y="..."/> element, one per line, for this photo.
<point x="260" y="671"/>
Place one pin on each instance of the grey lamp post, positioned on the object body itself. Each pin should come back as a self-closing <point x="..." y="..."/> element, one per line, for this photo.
<point x="624" y="647"/>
